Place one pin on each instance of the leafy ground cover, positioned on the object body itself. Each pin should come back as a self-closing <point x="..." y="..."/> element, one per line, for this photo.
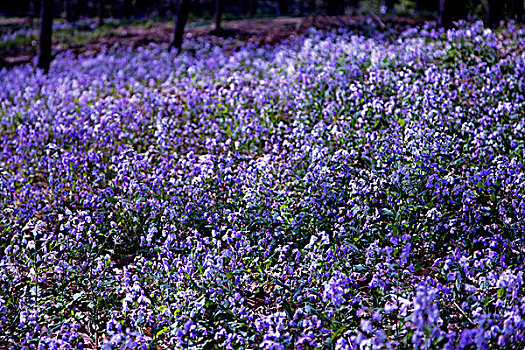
<point x="337" y="190"/>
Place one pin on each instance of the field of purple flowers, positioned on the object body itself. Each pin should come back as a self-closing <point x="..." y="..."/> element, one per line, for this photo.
<point x="336" y="191"/>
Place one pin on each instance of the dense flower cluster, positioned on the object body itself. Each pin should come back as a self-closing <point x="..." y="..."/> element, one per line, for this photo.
<point x="338" y="190"/>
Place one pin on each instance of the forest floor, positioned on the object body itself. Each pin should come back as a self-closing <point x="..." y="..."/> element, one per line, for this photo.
<point x="86" y="38"/>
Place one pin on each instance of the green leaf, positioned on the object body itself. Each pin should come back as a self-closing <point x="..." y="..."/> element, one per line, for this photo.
<point x="163" y="330"/>
<point x="338" y="332"/>
<point x="112" y="199"/>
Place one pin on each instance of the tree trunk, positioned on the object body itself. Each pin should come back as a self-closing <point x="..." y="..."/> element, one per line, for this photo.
<point x="81" y="8"/>
<point x="242" y="8"/>
<point x="140" y="8"/>
<point x="183" y="8"/>
<point x="451" y="10"/>
<point x="494" y="13"/>
<point x="126" y="8"/>
<point x="282" y="7"/>
<point x="444" y="17"/>
<point x="67" y="10"/>
<point x="101" y="4"/>
<point x="46" y="32"/>
<point x="331" y="7"/>
<point x="71" y="13"/>
<point x="253" y="7"/>
<point x="218" y="15"/>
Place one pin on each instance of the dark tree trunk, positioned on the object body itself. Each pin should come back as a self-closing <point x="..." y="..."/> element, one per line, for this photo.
<point x="445" y="15"/>
<point x="67" y="10"/>
<point x="282" y="7"/>
<point x="81" y="8"/>
<point x="46" y="32"/>
<point x="71" y="11"/>
<point x="126" y="8"/>
<point x="140" y="8"/>
<point x="242" y="8"/>
<point x="253" y="7"/>
<point x="494" y="12"/>
<point x="183" y="8"/>
<point x="218" y="15"/>
<point x="101" y="4"/>
<point x="452" y="10"/>
<point x="331" y="7"/>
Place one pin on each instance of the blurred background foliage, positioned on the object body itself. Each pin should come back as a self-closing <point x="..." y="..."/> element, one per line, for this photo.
<point x="72" y="10"/>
